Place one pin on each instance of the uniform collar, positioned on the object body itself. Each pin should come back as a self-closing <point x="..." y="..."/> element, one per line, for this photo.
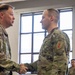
<point x="52" y="30"/>
<point x="3" y="30"/>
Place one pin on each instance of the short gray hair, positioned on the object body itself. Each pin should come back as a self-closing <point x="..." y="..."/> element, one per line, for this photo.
<point x="4" y="7"/>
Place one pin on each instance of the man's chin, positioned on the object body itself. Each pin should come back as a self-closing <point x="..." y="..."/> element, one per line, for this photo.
<point x="9" y="26"/>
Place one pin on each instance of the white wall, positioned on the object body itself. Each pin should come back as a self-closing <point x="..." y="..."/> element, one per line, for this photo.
<point x="14" y="31"/>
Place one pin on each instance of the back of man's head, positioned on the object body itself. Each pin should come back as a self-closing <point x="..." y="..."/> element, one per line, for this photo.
<point x="55" y="13"/>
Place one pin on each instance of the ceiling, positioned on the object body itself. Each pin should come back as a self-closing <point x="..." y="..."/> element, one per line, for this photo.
<point x="9" y="1"/>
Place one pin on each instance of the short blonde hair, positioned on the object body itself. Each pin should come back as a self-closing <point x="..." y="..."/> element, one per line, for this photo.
<point x="55" y="13"/>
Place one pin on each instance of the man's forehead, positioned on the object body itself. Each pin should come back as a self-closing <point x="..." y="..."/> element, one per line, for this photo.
<point x="73" y="61"/>
<point x="45" y="12"/>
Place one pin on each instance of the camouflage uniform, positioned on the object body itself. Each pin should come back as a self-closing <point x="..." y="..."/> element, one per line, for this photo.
<point x="6" y="65"/>
<point x="72" y="71"/>
<point x="53" y="56"/>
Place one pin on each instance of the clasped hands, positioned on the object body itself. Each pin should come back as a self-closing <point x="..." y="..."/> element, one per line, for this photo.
<point x="23" y="69"/>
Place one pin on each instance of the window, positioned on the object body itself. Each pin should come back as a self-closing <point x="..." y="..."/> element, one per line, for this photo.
<point x="32" y="34"/>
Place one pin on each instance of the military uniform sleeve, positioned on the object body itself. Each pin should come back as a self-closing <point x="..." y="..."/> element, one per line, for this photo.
<point x="5" y="63"/>
<point x="68" y="44"/>
<point x="9" y="65"/>
<point x="32" y="67"/>
<point x="59" y="46"/>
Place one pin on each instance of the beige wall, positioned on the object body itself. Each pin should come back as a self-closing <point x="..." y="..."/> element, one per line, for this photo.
<point x="36" y="5"/>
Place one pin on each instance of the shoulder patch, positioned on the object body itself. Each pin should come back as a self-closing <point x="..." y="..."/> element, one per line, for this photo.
<point x="59" y="45"/>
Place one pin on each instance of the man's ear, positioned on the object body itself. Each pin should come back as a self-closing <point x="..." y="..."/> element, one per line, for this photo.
<point x="51" y="18"/>
<point x="1" y="15"/>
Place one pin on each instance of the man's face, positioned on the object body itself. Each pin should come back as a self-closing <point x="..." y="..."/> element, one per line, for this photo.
<point x="73" y="62"/>
<point x="8" y="17"/>
<point x="45" y="20"/>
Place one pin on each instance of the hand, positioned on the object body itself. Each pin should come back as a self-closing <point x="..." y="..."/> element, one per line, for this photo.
<point x="23" y="69"/>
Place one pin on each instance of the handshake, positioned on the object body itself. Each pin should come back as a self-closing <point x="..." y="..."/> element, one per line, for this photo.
<point x="23" y="69"/>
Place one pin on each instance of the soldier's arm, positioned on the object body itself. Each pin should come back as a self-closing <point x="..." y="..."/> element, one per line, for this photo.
<point x="60" y="48"/>
<point x="32" y="67"/>
<point x="6" y="64"/>
<point x="68" y="43"/>
<point x="9" y="65"/>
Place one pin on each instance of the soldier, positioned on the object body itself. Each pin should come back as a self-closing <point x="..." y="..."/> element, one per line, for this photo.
<point x="72" y="68"/>
<point x="53" y="56"/>
<point x="6" y="20"/>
